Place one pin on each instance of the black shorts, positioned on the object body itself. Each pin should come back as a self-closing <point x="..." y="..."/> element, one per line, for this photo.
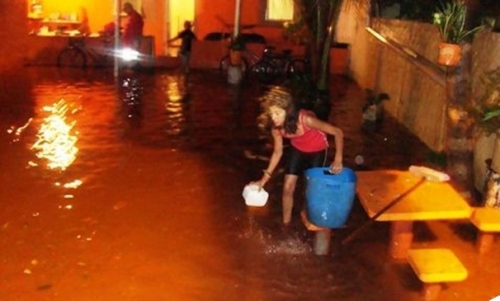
<point x="298" y="162"/>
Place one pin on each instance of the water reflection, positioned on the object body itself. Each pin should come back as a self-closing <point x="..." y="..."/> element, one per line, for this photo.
<point x="157" y="212"/>
<point x="177" y="98"/>
<point x="131" y="91"/>
<point x="18" y="131"/>
<point x="56" y="139"/>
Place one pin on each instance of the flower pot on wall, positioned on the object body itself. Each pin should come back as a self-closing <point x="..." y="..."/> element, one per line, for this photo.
<point x="449" y="54"/>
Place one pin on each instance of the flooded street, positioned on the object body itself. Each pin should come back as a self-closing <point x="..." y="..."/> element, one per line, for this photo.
<point x="129" y="189"/>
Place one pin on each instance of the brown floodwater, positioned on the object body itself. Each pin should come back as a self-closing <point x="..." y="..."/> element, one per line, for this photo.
<point x="129" y="188"/>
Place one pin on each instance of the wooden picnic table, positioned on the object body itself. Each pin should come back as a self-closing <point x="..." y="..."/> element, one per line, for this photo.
<point x="429" y="201"/>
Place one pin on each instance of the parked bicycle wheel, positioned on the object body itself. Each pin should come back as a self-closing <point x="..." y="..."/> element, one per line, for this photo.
<point x="264" y="72"/>
<point x="224" y="63"/>
<point x="298" y="67"/>
<point x="72" y="57"/>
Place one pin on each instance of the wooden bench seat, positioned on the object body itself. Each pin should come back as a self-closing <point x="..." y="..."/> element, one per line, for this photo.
<point x="434" y="267"/>
<point x="487" y="221"/>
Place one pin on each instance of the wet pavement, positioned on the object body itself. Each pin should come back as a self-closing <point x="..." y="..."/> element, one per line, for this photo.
<point x="129" y="188"/>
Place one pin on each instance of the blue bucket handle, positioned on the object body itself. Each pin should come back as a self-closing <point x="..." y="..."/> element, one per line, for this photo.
<point x="328" y="172"/>
<point x="345" y="175"/>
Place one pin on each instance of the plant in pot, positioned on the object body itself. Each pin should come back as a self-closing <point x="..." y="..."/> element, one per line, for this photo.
<point x="485" y="110"/>
<point x="373" y="110"/>
<point x="315" y="24"/>
<point x="450" y="19"/>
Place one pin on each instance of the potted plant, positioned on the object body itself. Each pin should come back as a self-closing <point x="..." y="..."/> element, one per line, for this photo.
<point x="450" y="19"/>
<point x="315" y="26"/>
<point x="373" y="110"/>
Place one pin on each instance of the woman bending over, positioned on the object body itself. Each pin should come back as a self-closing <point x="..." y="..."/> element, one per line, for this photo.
<point x="308" y="142"/>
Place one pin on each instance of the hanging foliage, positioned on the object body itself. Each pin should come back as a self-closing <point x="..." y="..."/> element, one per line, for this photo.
<point x="319" y="18"/>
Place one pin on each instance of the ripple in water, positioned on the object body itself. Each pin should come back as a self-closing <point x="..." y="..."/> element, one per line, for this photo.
<point x="288" y="243"/>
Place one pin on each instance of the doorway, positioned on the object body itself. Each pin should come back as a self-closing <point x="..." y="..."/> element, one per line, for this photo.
<point x="178" y="11"/>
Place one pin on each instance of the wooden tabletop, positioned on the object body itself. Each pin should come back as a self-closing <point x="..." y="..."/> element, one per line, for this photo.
<point x="429" y="201"/>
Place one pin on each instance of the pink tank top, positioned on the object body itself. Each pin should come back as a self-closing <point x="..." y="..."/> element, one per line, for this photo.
<point x="311" y="140"/>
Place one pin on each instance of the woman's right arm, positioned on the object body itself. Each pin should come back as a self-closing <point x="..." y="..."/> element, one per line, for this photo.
<point x="275" y="157"/>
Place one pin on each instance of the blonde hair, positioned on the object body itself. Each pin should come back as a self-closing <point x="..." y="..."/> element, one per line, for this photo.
<point x="282" y="98"/>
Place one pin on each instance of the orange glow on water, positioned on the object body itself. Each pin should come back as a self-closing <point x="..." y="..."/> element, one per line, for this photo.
<point x="56" y="142"/>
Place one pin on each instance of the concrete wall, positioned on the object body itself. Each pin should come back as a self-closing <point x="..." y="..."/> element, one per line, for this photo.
<point x="13" y="83"/>
<point x="14" y="37"/>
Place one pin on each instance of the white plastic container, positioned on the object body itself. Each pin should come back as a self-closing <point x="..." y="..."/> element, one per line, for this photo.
<point x="429" y="174"/>
<point x="254" y="197"/>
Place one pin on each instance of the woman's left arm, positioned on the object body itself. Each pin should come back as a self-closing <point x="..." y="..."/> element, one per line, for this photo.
<point x="336" y="132"/>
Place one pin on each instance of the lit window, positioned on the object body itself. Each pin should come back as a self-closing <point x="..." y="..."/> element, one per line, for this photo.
<point x="277" y="10"/>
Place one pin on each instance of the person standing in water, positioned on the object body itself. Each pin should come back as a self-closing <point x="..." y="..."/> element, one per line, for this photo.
<point x="132" y="33"/>
<point x="187" y="37"/>
<point x="308" y="143"/>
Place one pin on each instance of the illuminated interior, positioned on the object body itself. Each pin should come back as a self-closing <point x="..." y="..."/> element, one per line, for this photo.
<point x="163" y="19"/>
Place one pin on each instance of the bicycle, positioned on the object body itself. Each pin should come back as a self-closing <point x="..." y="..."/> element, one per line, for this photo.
<point x="275" y="66"/>
<point x="78" y="55"/>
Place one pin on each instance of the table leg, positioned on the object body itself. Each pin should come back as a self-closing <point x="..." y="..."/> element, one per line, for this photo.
<point x="430" y="291"/>
<point x="484" y="241"/>
<point x="401" y="239"/>
<point x="322" y="241"/>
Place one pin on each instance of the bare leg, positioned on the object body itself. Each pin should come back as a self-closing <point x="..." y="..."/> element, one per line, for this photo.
<point x="287" y="198"/>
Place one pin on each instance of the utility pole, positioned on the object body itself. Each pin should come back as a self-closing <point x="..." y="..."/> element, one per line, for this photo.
<point x="237" y="19"/>
<point x="117" y="35"/>
<point x="234" y="72"/>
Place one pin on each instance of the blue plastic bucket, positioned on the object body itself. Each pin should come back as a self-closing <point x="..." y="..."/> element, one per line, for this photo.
<point x="329" y="196"/>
